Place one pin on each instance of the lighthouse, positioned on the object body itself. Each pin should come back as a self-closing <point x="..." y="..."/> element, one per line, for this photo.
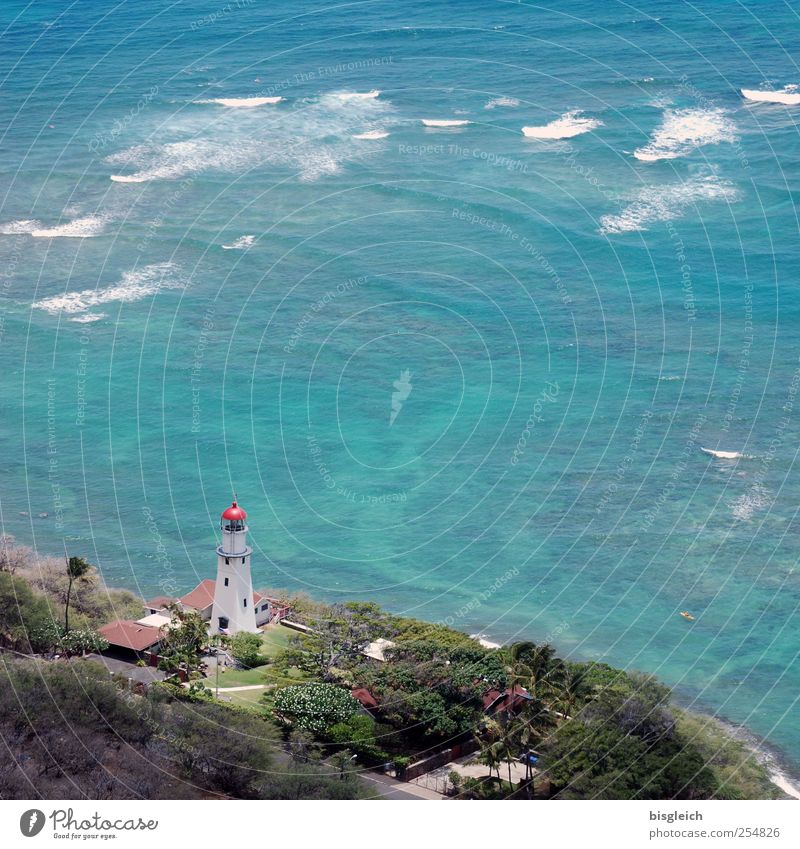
<point x="234" y="603"/>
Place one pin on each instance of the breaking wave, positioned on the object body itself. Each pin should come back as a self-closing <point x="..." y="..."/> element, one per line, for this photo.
<point x="501" y="101"/>
<point x="240" y="244"/>
<point x="132" y="286"/>
<point x="242" y="102"/>
<point x="568" y="125"/>
<point x="449" y="122"/>
<point x="78" y="228"/>
<point x="788" y="95"/>
<point x="665" y="203"/>
<point x="684" y="130"/>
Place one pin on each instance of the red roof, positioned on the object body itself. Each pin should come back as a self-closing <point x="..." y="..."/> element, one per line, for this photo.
<point x="234" y="513"/>
<point x="160" y="602"/>
<point x="365" y="697"/>
<point x="202" y="596"/>
<point x="517" y="697"/>
<point x="130" y="635"/>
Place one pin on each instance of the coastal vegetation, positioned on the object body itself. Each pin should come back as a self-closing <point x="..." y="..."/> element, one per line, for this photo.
<point x="356" y="687"/>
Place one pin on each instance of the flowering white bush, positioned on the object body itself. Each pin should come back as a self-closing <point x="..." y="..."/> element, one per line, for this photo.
<point x="315" y="706"/>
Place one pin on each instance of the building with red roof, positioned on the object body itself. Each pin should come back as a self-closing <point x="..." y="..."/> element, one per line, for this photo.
<point x="127" y="638"/>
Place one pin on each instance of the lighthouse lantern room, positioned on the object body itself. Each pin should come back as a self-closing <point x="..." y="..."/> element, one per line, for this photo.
<point x="234" y="605"/>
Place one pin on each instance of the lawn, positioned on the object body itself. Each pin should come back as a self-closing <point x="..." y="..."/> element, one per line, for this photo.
<point x="275" y="638"/>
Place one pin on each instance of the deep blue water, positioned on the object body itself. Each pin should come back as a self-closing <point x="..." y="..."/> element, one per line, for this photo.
<point x="579" y="316"/>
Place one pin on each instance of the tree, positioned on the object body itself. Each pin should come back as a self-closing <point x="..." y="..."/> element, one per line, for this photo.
<point x="302" y="746"/>
<point x="574" y="689"/>
<point x="77" y="570"/>
<point x="183" y="642"/>
<point x="529" y="728"/>
<point x="23" y="614"/>
<point x="246" y="649"/>
<point x="315" y="706"/>
<point x="82" y="640"/>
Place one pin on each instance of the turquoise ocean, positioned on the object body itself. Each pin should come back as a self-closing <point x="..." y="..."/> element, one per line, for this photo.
<point x="459" y="369"/>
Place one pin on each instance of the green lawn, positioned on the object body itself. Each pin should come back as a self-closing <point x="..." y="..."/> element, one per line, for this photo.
<point x="275" y="638"/>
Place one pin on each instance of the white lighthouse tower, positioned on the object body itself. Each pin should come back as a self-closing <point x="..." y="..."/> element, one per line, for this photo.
<point x="234" y="606"/>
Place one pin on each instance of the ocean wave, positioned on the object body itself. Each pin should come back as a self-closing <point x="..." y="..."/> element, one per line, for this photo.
<point x="756" y="498"/>
<point x="726" y="455"/>
<point x="443" y="123"/>
<point x="242" y="102"/>
<point x="501" y="101"/>
<point x="79" y="228"/>
<point x="568" y="125"/>
<point x="132" y="286"/>
<point x="684" y="130"/>
<point x="356" y="95"/>
<point x="240" y="244"/>
<point x="666" y="203"/>
<point x="788" y="95"/>
<point x="315" y="138"/>
<point x="372" y="134"/>
<point x="88" y="318"/>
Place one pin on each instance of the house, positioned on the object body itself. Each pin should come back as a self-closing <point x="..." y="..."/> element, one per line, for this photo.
<point x="131" y="641"/>
<point x="506" y="701"/>
<point x="376" y="649"/>
<point x="201" y="600"/>
<point x="159" y="604"/>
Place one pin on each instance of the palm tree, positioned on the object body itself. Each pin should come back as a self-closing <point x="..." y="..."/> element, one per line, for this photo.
<point x="574" y="689"/>
<point x="490" y="747"/>
<point x="77" y="570"/>
<point x="529" y="728"/>
<point x="532" y="666"/>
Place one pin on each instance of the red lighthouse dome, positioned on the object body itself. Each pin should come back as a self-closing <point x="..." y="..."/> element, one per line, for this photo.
<point x="234" y="513"/>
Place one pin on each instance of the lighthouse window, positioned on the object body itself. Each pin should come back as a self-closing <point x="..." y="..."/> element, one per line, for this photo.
<point x="226" y="582"/>
<point x="227" y="562"/>
<point x="245" y="602"/>
<point x="243" y="560"/>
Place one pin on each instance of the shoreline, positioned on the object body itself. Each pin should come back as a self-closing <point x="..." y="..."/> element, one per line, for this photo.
<point x="767" y="754"/>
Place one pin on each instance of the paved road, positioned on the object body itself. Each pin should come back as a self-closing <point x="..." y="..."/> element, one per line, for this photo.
<point x="390" y="788"/>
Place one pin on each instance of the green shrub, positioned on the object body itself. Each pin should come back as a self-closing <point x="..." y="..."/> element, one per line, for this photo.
<point x="315" y="707"/>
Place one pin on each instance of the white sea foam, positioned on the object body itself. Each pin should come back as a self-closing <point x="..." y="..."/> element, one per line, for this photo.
<point x="434" y="122"/>
<point x="132" y="286"/>
<point x="666" y="203"/>
<point x="315" y="139"/>
<point x="240" y="244"/>
<point x="372" y="134"/>
<point x="684" y="130"/>
<point x="756" y="498"/>
<point x="501" y="101"/>
<point x="723" y="455"/>
<point x="79" y="228"/>
<point x="88" y="318"/>
<point x="788" y="96"/>
<point x="568" y="125"/>
<point x="242" y="102"/>
<point x="357" y="95"/>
